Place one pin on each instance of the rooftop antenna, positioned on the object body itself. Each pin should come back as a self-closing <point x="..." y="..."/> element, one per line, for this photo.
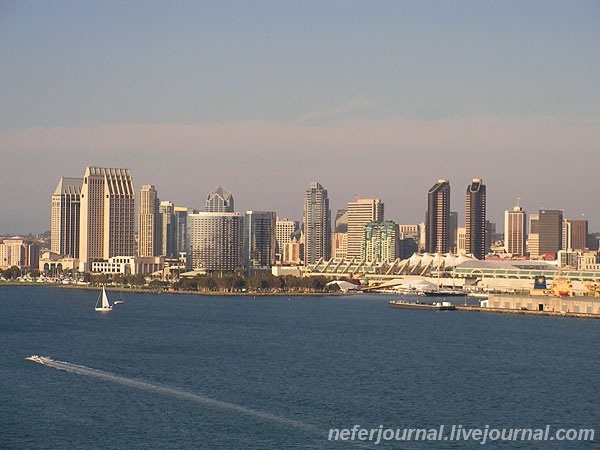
<point x="518" y="201"/>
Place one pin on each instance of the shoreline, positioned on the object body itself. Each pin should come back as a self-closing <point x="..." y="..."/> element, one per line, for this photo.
<point x="527" y="312"/>
<point x="180" y="292"/>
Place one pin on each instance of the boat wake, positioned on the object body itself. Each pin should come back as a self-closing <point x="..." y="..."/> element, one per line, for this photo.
<point x="170" y="391"/>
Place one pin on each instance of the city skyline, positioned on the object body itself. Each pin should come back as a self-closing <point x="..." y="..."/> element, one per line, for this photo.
<point x="373" y="100"/>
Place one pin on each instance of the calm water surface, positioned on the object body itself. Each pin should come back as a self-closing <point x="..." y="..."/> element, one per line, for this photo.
<point x="182" y="371"/>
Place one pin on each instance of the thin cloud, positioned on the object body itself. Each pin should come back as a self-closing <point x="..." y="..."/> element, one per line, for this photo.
<point x="356" y="104"/>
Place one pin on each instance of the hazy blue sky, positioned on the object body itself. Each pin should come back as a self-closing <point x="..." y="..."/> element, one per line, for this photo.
<point x="373" y="98"/>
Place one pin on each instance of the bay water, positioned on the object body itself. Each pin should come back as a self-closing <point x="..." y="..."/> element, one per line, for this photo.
<point x="277" y="372"/>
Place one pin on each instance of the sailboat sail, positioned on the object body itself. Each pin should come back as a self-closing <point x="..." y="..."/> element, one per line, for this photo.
<point x="102" y="304"/>
<point x="105" y="303"/>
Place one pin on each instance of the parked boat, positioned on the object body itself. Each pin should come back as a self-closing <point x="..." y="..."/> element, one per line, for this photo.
<point x="442" y="292"/>
<point x="438" y="306"/>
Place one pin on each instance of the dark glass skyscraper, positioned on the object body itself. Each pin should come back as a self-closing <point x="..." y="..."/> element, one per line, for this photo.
<point x="475" y="219"/>
<point x="317" y="224"/>
<point x="259" y="239"/>
<point x="437" y="224"/>
<point x="550" y="223"/>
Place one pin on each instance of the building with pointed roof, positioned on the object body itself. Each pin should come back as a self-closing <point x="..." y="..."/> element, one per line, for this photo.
<point x="220" y="200"/>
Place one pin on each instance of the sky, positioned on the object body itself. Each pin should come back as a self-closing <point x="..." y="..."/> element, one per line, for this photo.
<point x="375" y="99"/>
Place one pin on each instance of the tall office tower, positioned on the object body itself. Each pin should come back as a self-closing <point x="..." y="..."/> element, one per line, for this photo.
<point x="284" y="229"/>
<point x="381" y="241"/>
<point x="550" y="223"/>
<point x="259" y="239"/>
<point x="317" y="224"/>
<point x="167" y="230"/>
<point x="219" y="200"/>
<point x="533" y="238"/>
<point x="452" y="230"/>
<point x="409" y="237"/>
<point x="575" y="235"/>
<point x="107" y="223"/>
<point x="64" y="226"/>
<point x="438" y="217"/>
<point x="149" y="233"/>
<point x="515" y="231"/>
<point x="475" y="219"/>
<point x="180" y="214"/>
<point x="215" y="241"/>
<point x="360" y="213"/>
<point x="341" y="221"/>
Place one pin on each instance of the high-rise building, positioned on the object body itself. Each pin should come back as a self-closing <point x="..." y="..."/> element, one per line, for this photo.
<point x="408" y="240"/>
<point x="550" y="228"/>
<point x="438" y="218"/>
<point x="380" y="243"/>
<point x="317" y="224"/>
<point x="219" y="200"/>
<point x="284" y="229"/>
<point x="259" y="239"/>
<point x="475" y="219"/>
<point x="361" y="212"/>
<point x="215" y="241"/>
<point x="180" y="215"/>
<point x="341" y="221"/>
<point x="452" y="230"/>
<point x="533" y="238"/>
<point x="107" y="221"/>
<point x="65" y="216"/>
<point x="149" y="222"/>
<point x="575" y="234"/>
<point x="515" y="231"/>
<point x="167" y="230"/>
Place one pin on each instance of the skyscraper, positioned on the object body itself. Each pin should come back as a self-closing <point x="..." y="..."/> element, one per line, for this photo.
<point x="219" y="200"/>
<point x="215" y="241"/>
<point x="259" y="239"/>
<point x="149" y="222"/>
<point x="438" y="218"/>
<point x="475" y="219"/>
<point x="180" y="214"/>
<point x="575" y="234"/>
<point x="452" y="231"/>
<point x="515" y="231"/>
<point x="65" y="217"/>
<point x="533" y="238"/>
<point x="107" y="221"/>
<point x="550" y="229"/>
<point x="361" y="212"/>
<point x="284" y="229"/>
<point x="341" y="221"/>
<point x="317" y="224"/>
<point x="167" y="230"/>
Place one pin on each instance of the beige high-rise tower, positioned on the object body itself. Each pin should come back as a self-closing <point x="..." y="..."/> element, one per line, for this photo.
<point x="148" y="232"/>
<point x="107" y="219"/>
<point x="515" y="231"/>
<point x="360" y="213"/>
<point x="64" y="226"/>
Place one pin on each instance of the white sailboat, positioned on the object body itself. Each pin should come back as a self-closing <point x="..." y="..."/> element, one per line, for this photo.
<point x="102" y="304"/>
